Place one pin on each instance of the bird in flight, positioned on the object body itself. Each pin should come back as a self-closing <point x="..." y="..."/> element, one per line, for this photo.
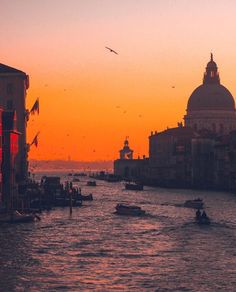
<point x="111" y="50"/>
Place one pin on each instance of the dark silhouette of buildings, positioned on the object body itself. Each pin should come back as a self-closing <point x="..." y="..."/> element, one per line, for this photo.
<point x="10" y="146"/>
<point x="127" y="167"/>
<point x="202" y="152"/>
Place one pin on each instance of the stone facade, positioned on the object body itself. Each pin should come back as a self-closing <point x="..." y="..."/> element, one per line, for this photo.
<point x="13" y="86"/>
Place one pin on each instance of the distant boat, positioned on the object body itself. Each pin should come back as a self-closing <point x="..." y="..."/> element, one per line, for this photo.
<point x="134" y="186"/>
<point x="91" y="183"/>
<point x="80" y="174"/>
<point x="69" y="174"/>
<point x="123" y="209"/>
<point x="112" y="178"/>
<point x="75" y="179"/>
<point x="195" y="204"/>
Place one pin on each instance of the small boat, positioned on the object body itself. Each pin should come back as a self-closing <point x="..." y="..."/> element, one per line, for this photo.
<point x="202" y="218"/>
<point x="80" y="174"/>
<point x="75" y="179"/>
<point x="196" y="204"/>
<point x="112" y="178"/>
<point x="123" y="209"/>
<point x="86" y="197"/>
<point x="17" y="217"/>
<point x="134" y="186"/>
<point x="91" y="183"/>
<point x="203" y="221"/>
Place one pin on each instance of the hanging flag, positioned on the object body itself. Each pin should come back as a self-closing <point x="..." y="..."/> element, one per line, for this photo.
<point x="35" y="140"/>
<point x="35" y="107"/>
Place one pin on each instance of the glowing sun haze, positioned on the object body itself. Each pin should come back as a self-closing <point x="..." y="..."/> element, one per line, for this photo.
<point x="90" y="98"/>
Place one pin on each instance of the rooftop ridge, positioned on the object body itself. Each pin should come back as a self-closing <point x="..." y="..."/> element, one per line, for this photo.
<point x="7" y="69"/>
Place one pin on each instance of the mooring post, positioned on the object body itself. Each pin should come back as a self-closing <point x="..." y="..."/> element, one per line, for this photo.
<point x="70" y="193"/>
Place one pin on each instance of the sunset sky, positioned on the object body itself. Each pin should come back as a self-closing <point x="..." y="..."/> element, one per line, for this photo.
<point x="90" y="99"/>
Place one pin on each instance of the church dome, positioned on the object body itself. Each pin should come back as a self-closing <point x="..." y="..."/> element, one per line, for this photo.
<point x="211" y="95"/>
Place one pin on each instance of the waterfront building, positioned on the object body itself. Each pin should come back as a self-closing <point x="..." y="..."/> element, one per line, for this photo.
<point x="170" y="157"/>
<point x="13" y="86"/>
<point x="9" y="150"/>
<point x="126" y="166"/>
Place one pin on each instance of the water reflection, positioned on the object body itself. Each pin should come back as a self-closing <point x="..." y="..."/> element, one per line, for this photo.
<point x="95" y="249"/>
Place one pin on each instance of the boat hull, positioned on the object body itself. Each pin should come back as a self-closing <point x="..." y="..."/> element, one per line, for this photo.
<point x="134" y="187"/>
<point x="86" y="197"/>
<point x="194" y="204"/>
<point x="129" y="210"/>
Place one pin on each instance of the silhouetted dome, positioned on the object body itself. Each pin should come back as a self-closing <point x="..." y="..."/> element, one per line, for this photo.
<point x="211" y="64"/>
<point x="211" y="97"/>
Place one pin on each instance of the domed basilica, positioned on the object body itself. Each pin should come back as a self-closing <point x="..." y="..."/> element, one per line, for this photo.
<point x="211" y="106"/>
<point x="200" y="154"/>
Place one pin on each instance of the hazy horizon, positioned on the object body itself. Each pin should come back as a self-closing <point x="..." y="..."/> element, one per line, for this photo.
<point x="60" y="165"/>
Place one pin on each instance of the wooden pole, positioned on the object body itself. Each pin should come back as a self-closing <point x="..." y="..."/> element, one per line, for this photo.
<point x="70" y="192"/>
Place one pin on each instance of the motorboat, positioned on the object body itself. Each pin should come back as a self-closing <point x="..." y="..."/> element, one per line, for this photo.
<point x="123" y="209"/>
<point x="91" y="183"/>
<point x="86" y="197"/>
<point x="203" y="220"/>
<point x="196" y="203"/>
<point x="134" y="186"/>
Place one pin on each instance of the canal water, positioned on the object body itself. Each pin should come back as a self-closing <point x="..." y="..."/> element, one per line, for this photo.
<point x="96" y="250"/>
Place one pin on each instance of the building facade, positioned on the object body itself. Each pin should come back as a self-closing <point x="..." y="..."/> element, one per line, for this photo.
<point x="10" y="148"/>
<point x="13" y="86"/>
<point x="127" y="167"/>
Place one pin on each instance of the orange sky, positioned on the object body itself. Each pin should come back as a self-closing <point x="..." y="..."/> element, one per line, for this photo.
<point x="90" y="99"/>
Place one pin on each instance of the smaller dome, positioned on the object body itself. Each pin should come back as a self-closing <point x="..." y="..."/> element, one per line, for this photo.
<point x="211" y="64"/>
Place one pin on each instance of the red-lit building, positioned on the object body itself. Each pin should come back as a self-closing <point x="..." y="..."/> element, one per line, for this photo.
<point x="13" y="87"/>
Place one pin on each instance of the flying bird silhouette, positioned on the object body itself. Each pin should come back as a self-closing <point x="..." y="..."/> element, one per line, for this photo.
<point x="111" y="50"/>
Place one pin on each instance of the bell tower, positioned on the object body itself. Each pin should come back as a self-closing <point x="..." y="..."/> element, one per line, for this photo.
<point x="126" y="152"/>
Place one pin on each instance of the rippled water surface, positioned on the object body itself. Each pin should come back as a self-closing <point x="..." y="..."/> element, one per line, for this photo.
<point x="95" y="249"/>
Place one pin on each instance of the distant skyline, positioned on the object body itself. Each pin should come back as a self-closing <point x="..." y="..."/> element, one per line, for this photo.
<point x="91" y="99"/>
